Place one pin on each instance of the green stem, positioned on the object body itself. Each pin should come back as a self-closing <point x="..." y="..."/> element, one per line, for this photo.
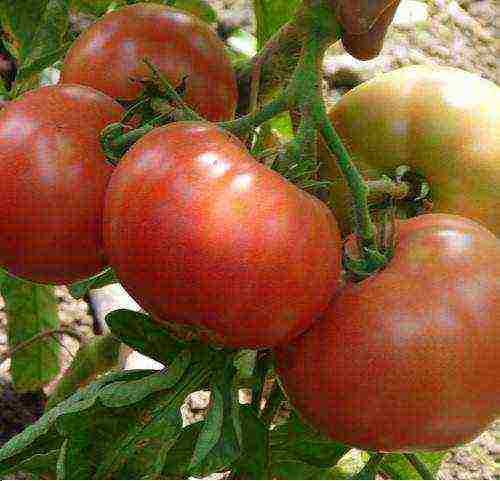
<point x="306" y="89"/>
<point x="172" y="95"/>
<point x="241" y="126"/>
<point x="419" y="465"/>
<point x="370" y="469"/>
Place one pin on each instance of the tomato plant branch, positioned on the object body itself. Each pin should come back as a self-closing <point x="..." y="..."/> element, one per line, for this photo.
<point x="243" y="125"/>
<point x="305" y="89"/>
<point x="171" y="94"/>
<point x="40" y="336"/>
<point x="419" y="466"/>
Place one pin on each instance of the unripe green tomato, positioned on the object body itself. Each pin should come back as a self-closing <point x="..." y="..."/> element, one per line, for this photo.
<point x="442" y="122"/>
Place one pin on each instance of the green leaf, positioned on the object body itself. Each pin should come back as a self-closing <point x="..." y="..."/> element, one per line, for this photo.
<point x="138" y="331"/>
<point x="180" y="455"/>
<point x="42" y="436"/>
<point x="92" y="7"/>
<point x="286" y="466"/>
<point x="253" y="463"/>
<point x="398" y="467"/>
<point x="40" y="466"/>
<point x="97" y="357"/>
<point x="37" y="64"/>
<point x="79" y="289"/>
<point x="228" y="448"/>
<point x="306" y="444"/>
<point x="134" y="452"/>
<point x="199" y="8"/>
<point x="3" y="276"/>
<point x="244" y="362"/>
<point x="212" y="428"/>
<point x="36" y="30"/>
<point x="31" y="309"/>
<point x="91" y="435"/>
<point x="271" y="15"/>
<point x="124" y="393"/>
<point x="94" y="433"/>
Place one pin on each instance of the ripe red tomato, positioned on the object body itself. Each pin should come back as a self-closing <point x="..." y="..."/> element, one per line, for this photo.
<point x="421" y="117"/>
<point x="54" y="178"/>
<point x="108" y="57"/>
<point x="408" y="358"/>
<point x="202" y="234"/>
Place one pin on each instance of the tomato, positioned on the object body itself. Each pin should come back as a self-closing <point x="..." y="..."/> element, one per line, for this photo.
<point x="109" y="57"/>
<point x="365" y="25"/>
<point x="54" y="178"/>
<point x="442" y="122"/>
<point x="408" y="358"/>
<point x="203" y="235"/>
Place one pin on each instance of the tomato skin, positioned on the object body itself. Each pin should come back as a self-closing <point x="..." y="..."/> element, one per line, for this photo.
<point x="442" y="122"/>
<point x="55" y="178"/>
<point x="408" y="358"/>
<point x="110" y="53"/>
<point x="202" y="234"/>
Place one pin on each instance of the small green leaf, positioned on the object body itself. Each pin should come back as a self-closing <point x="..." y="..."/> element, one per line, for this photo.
<point x="96" y="357"/>
<point x="199" y="8"/>
<point x="3" y="276"/>
<point x="124" y="393"/>
<point x="138" y="331"/>
<point x="92" y="7"/>
<point x="79" y="289"/>
<point x="180" y="455"/>
<point x="212" y="428"/>
<point x="36" y="65"/>
<point x="31" y="310"/>
<point x="36" y="31"/>
<point x="133" y="452"/>
<point x="271" y="15"/>
<point x="306" y="444"/>
<point x="244" y="362"/>
<point x="228" y="447"/>
<point x="253" y="463"/>
<point x="40" y="466"/>
<point x="42" y="437"/>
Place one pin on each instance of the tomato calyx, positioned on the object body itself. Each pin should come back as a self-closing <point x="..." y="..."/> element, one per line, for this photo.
<point x="355" y="265"/>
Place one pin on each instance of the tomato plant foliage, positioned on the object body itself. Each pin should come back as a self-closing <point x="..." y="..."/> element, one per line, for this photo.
<point x="227" y="231"/>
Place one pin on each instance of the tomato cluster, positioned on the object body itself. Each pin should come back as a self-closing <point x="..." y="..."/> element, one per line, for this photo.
<point x="204" y="236"/>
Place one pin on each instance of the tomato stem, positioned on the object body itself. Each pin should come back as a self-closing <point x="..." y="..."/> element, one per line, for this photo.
<point x="172" y="95"/>
<point x="241" y="126"/>
<point x="305" y="88"/>
<point x="386" y="186"/>
<point x="419" y="466"/>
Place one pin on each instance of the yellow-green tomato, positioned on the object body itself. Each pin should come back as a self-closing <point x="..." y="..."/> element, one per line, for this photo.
<point x="442" y="122"/>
